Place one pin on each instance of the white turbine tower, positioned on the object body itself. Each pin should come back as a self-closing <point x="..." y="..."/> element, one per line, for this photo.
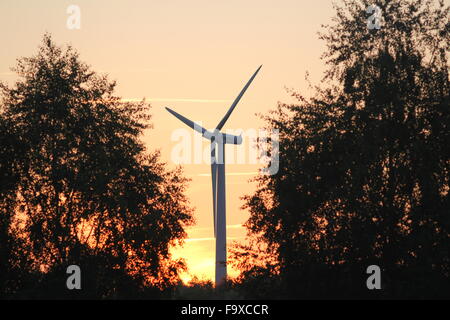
<point x="218" y="141"/>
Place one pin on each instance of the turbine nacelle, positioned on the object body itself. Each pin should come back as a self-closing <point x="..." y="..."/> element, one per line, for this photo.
<point x="222" y="138"/>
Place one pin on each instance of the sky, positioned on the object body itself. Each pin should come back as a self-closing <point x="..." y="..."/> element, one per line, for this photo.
<point x="194" y="57"/>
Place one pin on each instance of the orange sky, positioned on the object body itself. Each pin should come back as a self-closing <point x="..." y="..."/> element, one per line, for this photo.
<point x="193" y="56"/>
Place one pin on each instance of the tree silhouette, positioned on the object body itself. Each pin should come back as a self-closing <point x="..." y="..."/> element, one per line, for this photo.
<point x="13" y="260"/>
<point x="84" y="190"/>
<point x="364" y="163"/>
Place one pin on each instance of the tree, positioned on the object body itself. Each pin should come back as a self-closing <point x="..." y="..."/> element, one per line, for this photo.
<point x="88" y="192"/>
<point x="364" y="163"/>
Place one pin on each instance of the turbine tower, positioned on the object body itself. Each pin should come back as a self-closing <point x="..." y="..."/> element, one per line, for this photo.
<point x="218" y="141"/>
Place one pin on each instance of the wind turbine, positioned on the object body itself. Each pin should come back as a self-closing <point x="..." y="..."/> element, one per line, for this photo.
<point x="218" y="141"/>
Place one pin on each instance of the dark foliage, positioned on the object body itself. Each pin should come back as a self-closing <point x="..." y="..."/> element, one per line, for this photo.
<point x="78" y="187"/>
<point x="364" y="165"/>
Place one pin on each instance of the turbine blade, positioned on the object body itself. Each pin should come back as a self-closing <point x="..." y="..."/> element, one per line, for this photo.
<point x="236" y="101"/>
<point x="190" y="123"/>
<point x="214" y="186"/>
